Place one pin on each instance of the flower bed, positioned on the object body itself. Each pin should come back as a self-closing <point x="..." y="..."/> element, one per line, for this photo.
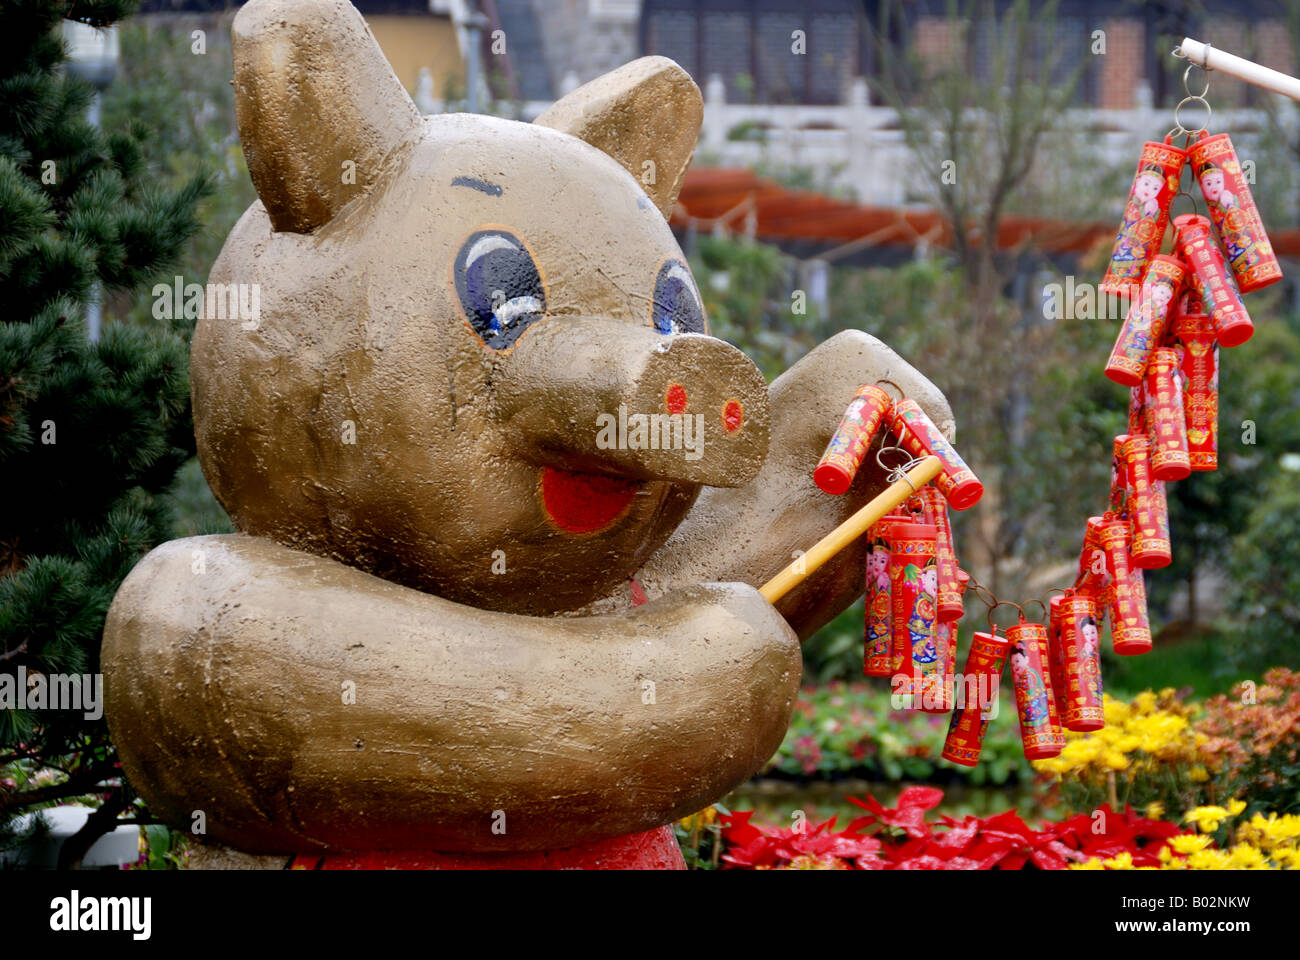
<point x="904" y="838"/>
<point x="851" y="729"/>
<point x="1160" y="752"/>
<point x="1230" y="763"/>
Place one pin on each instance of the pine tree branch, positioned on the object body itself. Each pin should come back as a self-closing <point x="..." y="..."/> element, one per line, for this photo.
<point x="73" y="787"/>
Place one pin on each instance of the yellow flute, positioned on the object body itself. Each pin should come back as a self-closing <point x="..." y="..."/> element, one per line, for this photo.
<point x="852" y="528"/>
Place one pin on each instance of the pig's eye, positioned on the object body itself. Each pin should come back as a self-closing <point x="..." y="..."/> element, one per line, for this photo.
<point x="499" y="286"/>
<point x="676" y="307"/>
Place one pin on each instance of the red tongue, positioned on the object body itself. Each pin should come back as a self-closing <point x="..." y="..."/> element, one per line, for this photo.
<point x="585" y="502"/>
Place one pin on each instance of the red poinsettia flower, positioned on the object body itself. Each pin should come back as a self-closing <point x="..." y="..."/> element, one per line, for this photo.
<point x="909" y="815"/>
<point x="1111" y="834"/>
<point x="904" y="841"/>
<point x="750" y="846"/>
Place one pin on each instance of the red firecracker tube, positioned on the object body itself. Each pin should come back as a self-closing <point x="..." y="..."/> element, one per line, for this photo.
<point x="1234" y="212"/>
<point x="921" y="438"/>
<point x="1040" y="726"/>
<point x="1130" y="630"/>
<point x="936" y="512"/>
<point x="1081" y="640"/>
<point x="1213" y="280"/>
<point x="878" y="660"/>
<point x="1200" y="361"/>
<point x="1147" y="509"/>
<point x="977" y="692"/>
<point x="1146" y="214"/>
<point x="1145" y="324"/>
<point x="913" y="575"/>
<point x="1166" y="424"/>
<point x="851" y="441"/>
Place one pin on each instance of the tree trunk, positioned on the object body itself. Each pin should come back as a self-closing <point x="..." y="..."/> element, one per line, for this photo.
<point x="99" y="823"/>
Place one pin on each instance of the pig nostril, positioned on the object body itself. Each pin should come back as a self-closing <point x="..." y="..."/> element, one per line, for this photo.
<point x="733" y="415"/>
<point x="675" y="399"/>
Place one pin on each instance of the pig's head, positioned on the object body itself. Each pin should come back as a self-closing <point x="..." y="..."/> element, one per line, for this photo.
<point x="462" y="322"/>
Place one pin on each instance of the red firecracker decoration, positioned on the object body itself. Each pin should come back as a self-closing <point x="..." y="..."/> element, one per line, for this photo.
<point x="851" y="441"/>
<point x="1147" y="508"/>
<point x="1166" y="424"/>
<point x="919" y="436"/>
<point x="936" y="512"/>
<point x="913" y="575"/>
<point x="1233" y="210"/>
<point x="1213" y="280"/>
<point x="1092" y="561"/>
<point x="937" y="687"/>
<point x="1056" y="651"/>
<point x="1130" y="630"/>
<point x="1146" y="215"/>
<point x="977" y="694"/>
<point x="1147" y="318"/>
<point x="1118" y="478"/>
<point x="1081" y="639"/>
<point x="1138" y="594"/>
<point x="1200" y="364"/>
<point x="1137" y="413"/>
<point x="879" y="657"/>
<point x="1040" y="725"/>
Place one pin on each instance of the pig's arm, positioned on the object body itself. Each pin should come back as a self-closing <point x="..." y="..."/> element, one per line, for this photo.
<point x="306" y="706"/>
<point x="750" y="533"/>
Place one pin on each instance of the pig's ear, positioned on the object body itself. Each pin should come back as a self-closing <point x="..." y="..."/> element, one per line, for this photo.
<point x="646" y="115"/>
<point x="318" y="107"/>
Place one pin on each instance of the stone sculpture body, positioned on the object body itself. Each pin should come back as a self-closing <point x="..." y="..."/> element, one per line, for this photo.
<point x="426" y="634"/>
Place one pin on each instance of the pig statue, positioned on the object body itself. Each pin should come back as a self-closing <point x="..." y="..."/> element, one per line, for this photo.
<point x="503" y="503"/>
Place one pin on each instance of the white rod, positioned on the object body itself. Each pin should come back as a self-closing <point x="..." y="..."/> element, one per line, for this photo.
<point x="1210" y="56"/>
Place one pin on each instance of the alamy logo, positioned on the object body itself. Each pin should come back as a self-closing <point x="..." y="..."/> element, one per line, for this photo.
<point x="652" y="431"/>
<point x="73" y="913"/>
<point x="968" y="690"/>
<point x="1084" y="301"/>
<point x="54" y="691"/>
<point x="213" y="301"/>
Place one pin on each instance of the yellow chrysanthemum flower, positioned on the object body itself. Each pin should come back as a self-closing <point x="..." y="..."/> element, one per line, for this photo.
<point x="1206" y="818"/>
<point x="1115" y="711"/>
<point x="1245" y="857"/>
<point x="1208" y="860"/>
<point x="1144" y="703"/>
<point x="1188" y="843"/>
<point x="1114" y="760"/>
<point x="1272" y="831"/>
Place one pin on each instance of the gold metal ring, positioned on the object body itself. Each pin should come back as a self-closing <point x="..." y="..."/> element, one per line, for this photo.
<point x="1209" y="113"/>
<point x="1187" y="74"/>
<point x="993" y="627"/>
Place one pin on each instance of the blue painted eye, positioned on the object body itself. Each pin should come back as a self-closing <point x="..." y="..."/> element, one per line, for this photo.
<point x="677" y="307"/>
<point x="499" y="286"/>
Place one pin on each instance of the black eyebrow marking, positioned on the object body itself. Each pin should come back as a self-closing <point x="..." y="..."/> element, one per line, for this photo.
<point x="491" y="189"/>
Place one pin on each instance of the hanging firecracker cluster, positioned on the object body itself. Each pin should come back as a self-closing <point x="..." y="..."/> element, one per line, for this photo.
<point x="1182" y="308"/>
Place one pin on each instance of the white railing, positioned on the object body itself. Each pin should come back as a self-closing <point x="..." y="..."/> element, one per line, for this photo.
<point x="860" y="148"/>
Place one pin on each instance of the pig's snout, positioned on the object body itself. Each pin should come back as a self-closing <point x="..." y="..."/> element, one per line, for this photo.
<point x="587" y="393"/>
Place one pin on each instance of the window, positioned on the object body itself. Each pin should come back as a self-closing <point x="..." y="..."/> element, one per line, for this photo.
<point x="749" y="44"/>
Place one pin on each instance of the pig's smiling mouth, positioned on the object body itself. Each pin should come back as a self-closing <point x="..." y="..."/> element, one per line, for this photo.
<point x="585" y="502"/>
